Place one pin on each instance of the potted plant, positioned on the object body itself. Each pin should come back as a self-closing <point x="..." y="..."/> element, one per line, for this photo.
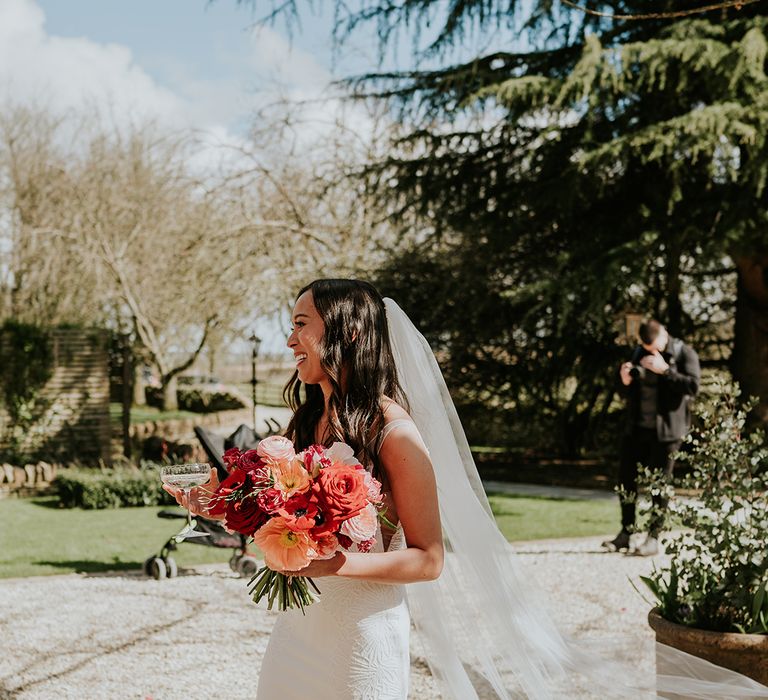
<point x="712" y="598"/>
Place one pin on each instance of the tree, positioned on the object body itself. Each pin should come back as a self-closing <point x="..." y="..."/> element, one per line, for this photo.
<point x="616" y="164"/>
<point x="116" y="231"/>
<point x="114" y="227"/>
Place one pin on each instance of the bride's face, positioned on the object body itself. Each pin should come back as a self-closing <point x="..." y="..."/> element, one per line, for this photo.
<point x="305" y="339"/>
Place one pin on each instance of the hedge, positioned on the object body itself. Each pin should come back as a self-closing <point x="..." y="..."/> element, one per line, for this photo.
<point x="200" y="398"/>
<point x="97" y="489"/>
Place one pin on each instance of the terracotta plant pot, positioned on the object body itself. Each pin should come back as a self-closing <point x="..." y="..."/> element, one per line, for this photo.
<point x="745" y="653"/>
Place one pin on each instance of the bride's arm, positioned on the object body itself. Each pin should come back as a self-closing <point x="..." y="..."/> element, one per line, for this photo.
<point x="412" y="481"/>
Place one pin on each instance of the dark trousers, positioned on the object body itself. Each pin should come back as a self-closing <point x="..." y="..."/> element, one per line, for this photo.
<point x="643" y="447"/>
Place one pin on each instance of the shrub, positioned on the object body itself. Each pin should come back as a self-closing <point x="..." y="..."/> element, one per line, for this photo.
<point x="113" y="488"/>
<point x="201" y="399"/>
<point x="718" y="575"/>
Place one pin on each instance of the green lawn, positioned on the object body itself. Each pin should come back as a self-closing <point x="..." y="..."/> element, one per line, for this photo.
<point x="526" y="518"/>
<point x="37" y="538"/>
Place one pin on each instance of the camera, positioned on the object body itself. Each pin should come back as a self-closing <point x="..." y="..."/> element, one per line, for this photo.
<point x="637" y="372"/>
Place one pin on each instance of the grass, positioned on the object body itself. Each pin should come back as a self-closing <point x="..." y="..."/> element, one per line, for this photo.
<point x="38" y="538"/>
<point x="536" y="518"/>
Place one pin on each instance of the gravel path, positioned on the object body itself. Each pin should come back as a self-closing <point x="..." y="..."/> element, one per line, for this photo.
<point x="127" y="636"/>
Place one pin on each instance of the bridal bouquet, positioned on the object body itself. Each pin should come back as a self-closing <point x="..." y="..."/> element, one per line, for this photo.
<point x="297" y="507"/>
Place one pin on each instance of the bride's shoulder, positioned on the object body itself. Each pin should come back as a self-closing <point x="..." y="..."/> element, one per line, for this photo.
<point x="393" y="411"/>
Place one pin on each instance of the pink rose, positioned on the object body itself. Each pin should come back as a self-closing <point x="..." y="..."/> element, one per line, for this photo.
<point x="362" y="526"/>
<point x="276" y="448"/>
<point x="341" y="453"/>
<point x="373" y="486"/>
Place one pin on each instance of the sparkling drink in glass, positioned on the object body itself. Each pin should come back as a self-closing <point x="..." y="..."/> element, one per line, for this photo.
<point x="186" y="477"/>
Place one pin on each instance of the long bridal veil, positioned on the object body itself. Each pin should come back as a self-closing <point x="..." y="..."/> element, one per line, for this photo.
<point x="486" y="627"/>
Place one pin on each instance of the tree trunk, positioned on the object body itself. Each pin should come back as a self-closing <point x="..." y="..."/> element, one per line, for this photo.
<point x="749" y="362"/>
<point x="674" y="307"/>
<point x="170" y="401"/>
<point x="139" y="385"/>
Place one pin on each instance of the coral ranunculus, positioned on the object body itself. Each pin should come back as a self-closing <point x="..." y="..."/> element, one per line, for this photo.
<point x="284" y="549"/>
<point x="326" y="546"/>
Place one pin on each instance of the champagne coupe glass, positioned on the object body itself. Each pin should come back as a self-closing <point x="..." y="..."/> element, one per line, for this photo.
<point x="186" y="477"/>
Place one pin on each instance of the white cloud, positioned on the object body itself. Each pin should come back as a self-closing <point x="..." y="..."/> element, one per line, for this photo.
<point x="66" y="73"/>
<point x="294" y="76"/>
<point x="75" y="73"/>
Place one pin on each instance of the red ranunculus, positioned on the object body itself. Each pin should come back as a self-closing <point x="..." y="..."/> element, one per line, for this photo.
<point x="270" y="500"/>
<point x="231" y="458"/>
<point x="232" y="483"/>
<point x="245" y="516"/>
<point x="339" y="492"/>
<point x="299" y="512"/>
<point x="251" y="460"/>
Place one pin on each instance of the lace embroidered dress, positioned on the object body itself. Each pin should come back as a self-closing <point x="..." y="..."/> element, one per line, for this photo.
<point x="351" y="644"/>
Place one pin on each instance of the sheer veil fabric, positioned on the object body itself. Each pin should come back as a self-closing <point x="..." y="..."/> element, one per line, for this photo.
<point x="487" y="630"/>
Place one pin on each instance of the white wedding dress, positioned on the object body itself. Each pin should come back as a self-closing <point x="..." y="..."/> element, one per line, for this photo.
<point x="351" y="644"/>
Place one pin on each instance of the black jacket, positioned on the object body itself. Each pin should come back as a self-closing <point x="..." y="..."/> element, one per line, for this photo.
<point x="675" y="390"/>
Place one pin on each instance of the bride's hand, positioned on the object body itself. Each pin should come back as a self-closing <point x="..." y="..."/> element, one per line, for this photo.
<point x="319" y="567"/>
<point x="199" y="498"/>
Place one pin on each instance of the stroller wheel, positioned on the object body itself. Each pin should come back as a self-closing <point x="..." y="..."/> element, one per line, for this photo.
<point x="171" y="570"/>
<point x="234" y="560"/>
<point x="146" y="567"/>
<point x="158" y="570"/>
<point x="247" y="566"/>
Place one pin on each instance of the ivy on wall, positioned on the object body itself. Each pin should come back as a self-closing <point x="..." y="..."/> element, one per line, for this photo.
<point x="26" y="365"/>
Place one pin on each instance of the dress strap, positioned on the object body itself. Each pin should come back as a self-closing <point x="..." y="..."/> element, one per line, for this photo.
<point x="389" y="427"/>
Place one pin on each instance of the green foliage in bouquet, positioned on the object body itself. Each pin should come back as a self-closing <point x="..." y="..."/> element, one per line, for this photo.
<point x="718" y="576"/>
<point x="112" y="488"/>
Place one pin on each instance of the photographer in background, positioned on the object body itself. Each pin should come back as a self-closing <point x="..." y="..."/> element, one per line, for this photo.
<point x="658" y="382"/>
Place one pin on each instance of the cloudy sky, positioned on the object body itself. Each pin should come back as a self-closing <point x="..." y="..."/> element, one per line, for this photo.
<point x="185" y="62"/>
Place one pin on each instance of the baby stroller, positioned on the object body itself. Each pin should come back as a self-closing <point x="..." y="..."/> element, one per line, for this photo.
<point x="163" y="565"/>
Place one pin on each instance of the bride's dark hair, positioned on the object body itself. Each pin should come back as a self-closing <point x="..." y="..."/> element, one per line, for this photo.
<point x="356" y="355"/>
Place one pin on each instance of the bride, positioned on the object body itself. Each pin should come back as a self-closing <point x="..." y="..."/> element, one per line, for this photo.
<point x="365" y="376"/>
